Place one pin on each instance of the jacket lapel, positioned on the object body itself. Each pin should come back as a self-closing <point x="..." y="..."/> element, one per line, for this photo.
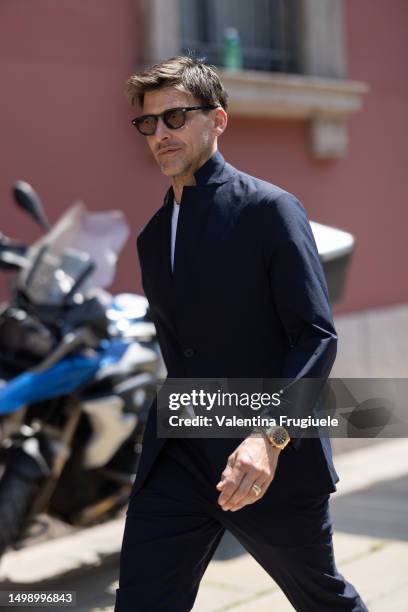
<point x="196" y="211"/>
<point x="196" y="214"/>
<point x="164" y="243"/>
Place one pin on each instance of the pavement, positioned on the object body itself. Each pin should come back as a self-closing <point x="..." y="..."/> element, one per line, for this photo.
<point x="370" y="515"/>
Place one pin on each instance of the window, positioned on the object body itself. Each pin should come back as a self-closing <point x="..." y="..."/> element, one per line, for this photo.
<point x="284" y="46"/>
<point x="266" y="31"/>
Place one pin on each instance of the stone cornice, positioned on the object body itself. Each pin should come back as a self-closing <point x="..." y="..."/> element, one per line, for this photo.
<point x="291" y="96"/>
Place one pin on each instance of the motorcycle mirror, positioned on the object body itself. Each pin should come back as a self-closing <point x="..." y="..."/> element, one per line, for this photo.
<point x="29" y="201"/>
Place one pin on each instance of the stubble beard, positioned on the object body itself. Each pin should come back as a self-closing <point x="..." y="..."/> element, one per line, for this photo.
<point x="182" y="167"/>
<point x="185" y="166"/>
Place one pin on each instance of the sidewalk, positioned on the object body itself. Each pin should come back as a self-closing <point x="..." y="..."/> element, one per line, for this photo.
<point x="370" y="515"/>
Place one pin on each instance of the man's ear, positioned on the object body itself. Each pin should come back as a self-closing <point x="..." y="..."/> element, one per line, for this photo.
<point x="220" y="120"/>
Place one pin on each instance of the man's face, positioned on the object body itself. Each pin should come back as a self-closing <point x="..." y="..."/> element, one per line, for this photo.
<point x="182" y="151"/>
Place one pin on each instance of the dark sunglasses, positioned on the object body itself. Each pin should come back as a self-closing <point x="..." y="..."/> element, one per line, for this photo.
<point x="173" y="118"/>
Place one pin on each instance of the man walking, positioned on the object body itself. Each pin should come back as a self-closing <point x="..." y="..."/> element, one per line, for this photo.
<point x="231" y="271"/>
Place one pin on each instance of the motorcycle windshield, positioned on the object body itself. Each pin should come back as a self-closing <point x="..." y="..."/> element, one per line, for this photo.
<point x="79" y="252"/>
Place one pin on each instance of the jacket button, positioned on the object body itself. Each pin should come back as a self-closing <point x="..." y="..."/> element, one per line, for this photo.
<point x="188" y="352"/>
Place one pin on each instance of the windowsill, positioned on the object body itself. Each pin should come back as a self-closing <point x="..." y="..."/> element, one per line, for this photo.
<point x="291" y="96"/>
<point x="326" y="104"/>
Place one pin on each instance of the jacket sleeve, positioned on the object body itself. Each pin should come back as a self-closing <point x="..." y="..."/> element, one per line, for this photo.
<point x="301" y="299"/>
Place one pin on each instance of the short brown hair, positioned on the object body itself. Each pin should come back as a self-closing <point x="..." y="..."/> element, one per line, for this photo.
<point x="195" y="77"/>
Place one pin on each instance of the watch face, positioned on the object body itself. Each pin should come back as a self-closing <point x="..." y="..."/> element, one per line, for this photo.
<point x="280" y="435"/>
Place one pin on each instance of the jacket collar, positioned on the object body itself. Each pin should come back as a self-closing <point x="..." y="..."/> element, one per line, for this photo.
<point x="214" y="171"/>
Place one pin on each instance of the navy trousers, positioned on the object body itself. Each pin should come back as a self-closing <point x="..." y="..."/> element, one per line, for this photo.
<point x="174" y="525"/>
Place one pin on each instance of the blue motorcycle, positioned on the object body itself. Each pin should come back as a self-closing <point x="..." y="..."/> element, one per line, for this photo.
<point x="79" y="369"/>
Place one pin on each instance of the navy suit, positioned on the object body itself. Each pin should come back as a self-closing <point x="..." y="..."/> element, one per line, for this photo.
<point x="247" y="299"/>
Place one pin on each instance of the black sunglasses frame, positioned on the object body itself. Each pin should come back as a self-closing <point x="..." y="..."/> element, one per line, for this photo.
<point x="137" y="121"/>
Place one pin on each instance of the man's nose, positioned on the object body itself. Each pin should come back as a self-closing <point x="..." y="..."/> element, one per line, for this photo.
<point x="162" y="131"/>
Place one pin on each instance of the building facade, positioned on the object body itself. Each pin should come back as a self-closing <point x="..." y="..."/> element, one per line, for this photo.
<point x="318" y="105"/>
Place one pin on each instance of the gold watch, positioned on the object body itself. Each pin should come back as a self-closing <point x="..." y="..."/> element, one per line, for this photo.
<point x="277" y="436"/>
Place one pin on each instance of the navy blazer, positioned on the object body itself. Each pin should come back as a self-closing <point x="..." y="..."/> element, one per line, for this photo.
<point x="247" y="299"/>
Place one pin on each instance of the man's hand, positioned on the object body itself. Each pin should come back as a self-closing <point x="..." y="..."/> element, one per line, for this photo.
<point x="253" y="462"/>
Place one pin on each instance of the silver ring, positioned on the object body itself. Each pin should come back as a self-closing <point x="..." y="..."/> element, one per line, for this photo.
<point x="256" y="489"/>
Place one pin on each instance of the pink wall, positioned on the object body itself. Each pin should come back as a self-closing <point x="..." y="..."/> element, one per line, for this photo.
<point x="65" y="127"/>
<point x="64" y="122"/>
<point x="376" y="168"/>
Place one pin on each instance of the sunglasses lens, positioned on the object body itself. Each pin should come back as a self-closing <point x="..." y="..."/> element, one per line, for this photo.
<point x="146" y="125"/>
<point x="174" y="118"/>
